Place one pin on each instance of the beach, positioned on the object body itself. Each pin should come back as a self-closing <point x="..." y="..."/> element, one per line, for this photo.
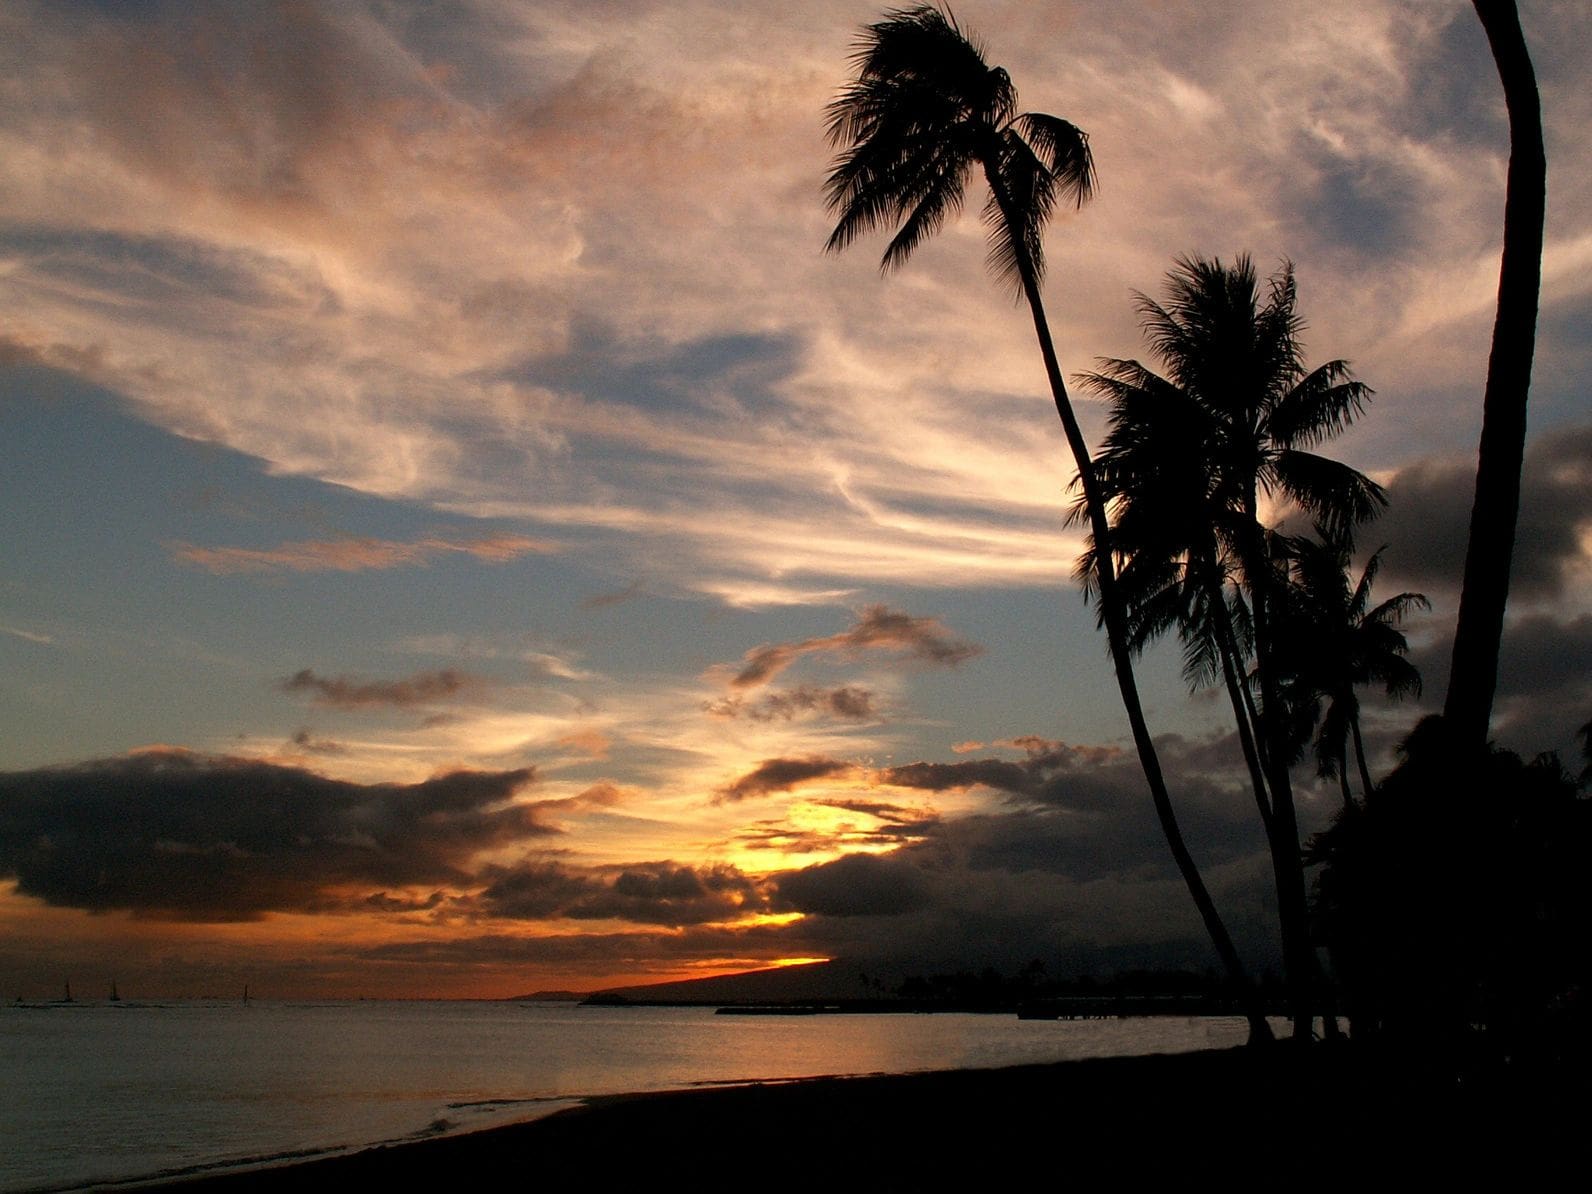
<point x="1233" y="1116"/>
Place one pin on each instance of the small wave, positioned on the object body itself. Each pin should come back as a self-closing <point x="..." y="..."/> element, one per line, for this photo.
<point x="477" y="1104"/>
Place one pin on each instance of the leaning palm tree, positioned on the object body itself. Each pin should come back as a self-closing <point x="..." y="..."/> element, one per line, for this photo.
<point x="1189" y="458"/>
<point x="1334" y="642"/>
<point x="923" y="113"/>
<point x="1473" y="676"/>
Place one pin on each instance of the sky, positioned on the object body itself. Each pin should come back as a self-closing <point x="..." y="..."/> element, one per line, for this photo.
<point x="464" y="536"/>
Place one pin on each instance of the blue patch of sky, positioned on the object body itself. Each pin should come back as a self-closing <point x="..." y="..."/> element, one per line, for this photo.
<point x="1362" y="207"/>
<point x="173" y="279"/>
<point x="1559" y="386"/>
<point x="1455" y="93"/>
<point x="717" y="376"/>
<point x="162" y="650"/>
<point x="145" y="648"/>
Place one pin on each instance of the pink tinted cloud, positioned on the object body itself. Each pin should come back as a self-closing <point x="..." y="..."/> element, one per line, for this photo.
<point x="354" y="555"/>
<point x="878" y="628"/>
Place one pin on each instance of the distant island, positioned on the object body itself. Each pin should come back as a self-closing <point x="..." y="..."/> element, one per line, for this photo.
<point x="846" y="987"/>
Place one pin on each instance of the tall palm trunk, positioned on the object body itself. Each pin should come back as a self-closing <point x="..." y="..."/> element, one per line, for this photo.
<point x="1246" y="732"/>
<point x="1359" y="754"/>
<point x="1343" y="777"/>
<point x="1287" y="862"/>
<point x="1116" y="621"/>
<point x="1474" y="674"/>
<point x="1237" y="694"/>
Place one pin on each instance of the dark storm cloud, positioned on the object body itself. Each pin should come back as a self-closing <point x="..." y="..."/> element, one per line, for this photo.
<point x="193" y="837"/>
<point x="1050" y="773"/>
<point x="1427" y="522"/>
<point x="847" y="703"/>
<point x="653" y="893"/>
<point x="1000" y="774"/>
<point x="343" y="692"/>
<point x="856" y="885"/>
<point x="1544" y="682"/>
<point x="1002" y="889"/>
<point x="878" y="628"/>
<point x="781" y="775"/>
<point x="1074" y="869"/>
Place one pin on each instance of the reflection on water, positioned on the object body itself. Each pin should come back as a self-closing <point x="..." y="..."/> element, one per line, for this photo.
<point x="95" y="1092"/>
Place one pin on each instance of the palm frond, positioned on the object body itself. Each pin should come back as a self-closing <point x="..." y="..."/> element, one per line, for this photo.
<point x="1318" y="407"/>
<point x="1335" y="495"/>
<point x="1022" y="195"/>
<point x="1063" y="149"/>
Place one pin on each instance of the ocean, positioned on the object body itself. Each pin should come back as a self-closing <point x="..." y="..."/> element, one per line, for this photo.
<point x="105" y="1092"/>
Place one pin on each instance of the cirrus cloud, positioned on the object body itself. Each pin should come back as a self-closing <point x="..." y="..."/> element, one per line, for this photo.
<point x="354" y="555"/>
<point x="877" y="628"/>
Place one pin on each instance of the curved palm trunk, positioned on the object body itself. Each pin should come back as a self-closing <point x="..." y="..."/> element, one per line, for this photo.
<point x="1243" y="710"/>
<point x="1474" y="674"/>
<point x="1359" y="754"/>
<point x="1121" y="658"/>
<point x="1287" y="861"/>
<point x="1246" y="736"/>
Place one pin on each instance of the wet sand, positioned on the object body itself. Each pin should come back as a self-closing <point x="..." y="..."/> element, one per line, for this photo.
<point x="1237" y="1118"/>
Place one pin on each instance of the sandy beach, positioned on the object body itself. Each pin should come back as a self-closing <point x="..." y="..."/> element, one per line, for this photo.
<point x="1234" y="1116"/>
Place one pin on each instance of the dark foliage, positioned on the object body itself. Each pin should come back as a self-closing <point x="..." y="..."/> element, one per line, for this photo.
<point x="1457" y="905"/>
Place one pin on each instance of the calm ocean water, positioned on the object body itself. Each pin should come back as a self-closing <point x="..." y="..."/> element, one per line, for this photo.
<point x="95" y="1093"/>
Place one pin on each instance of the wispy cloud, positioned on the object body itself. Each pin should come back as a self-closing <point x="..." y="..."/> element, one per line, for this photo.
<point x="877" y="628"/>
<point x="31" y="636"/>
<point x="615" y="597"/>
<point x="355" y="555"/>
<point x="343" y="692"/>
<point x="781" y="775"/>
<point x="847" y="703"/>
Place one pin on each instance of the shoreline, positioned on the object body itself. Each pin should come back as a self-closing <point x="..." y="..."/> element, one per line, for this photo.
<point x="1327" y="1111"/>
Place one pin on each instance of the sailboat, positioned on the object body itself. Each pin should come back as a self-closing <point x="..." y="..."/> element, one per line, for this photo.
<point x="114" y="997"/>
<point x="67" y="998"/>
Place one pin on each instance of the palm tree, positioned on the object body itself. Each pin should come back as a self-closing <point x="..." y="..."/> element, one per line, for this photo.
<point x="1474" y="674"/>
<point x="1336" y="642"/>
<point x="1188" y="460"/>
<point x="923" y="113"/>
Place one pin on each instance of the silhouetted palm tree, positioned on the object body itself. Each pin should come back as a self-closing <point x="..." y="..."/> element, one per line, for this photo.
<point x="923" y="113"/>
<point x="1334" y="643"/>
<point x="1474" y="674"/>
<point x="1189" y="458"/>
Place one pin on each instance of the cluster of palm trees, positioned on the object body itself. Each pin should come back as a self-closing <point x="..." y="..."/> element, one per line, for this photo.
<point x="1197" y="458"/>
<point x="1194" y="458"/>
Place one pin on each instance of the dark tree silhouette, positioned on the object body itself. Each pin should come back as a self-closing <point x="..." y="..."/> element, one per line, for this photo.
<point x="1473" y="677"/>
<point x="923" y="113"/>
<point x="1334" y="642"/>
<point x="1188" y="460"/>
<point x="1457" y="907"/>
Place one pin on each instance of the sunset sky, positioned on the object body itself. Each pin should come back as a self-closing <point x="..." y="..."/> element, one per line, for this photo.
<point x="462" y="535"/>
